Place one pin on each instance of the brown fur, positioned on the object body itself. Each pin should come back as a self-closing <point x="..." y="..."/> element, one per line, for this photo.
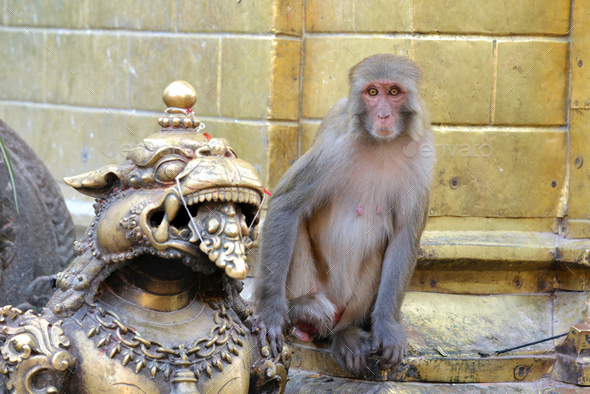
<point x="318" y="252"/>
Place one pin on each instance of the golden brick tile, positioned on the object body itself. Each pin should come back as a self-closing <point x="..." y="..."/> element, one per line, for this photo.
<point x="225" y="16"/>
<point x="476" y="173"/>
<point x="21" y="67"/>
<point x="194" y="60"/>
<point x="245" y="77"/>
<point x="131" y="14"/>
<point x="579" y="198"/>
<point x="532" y="87"/>
<point x="308" y="133"/>
<point x="326" y="64"/>
<point x="284" y="85"/>
<point x="329" y="15"/>
<point x="110" y="137"/>
<point x="287" y="16"/>
<point x="494" y="16"/>
<point x="384" y="16"/>
<point x="282" y="152"/>
<point x="457" y="79"/>
<point x="580" y="56"/>
<point x="63" y="13"/>
<point x="87" y="69"/>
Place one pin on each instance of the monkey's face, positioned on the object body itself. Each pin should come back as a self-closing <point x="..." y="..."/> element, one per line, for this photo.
<point x="384" y="100"/>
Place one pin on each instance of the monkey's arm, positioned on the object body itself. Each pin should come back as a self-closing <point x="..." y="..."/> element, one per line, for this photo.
<point x="399" y="261"/>
<point x="294" y="199"/>
<point x="290" y="205"/>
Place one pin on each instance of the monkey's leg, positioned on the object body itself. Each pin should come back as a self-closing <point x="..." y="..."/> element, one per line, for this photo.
<point x="307" y="306"/>
<point x="351" y="344"/>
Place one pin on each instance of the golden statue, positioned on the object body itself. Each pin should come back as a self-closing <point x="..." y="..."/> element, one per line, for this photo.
<point x="152" y="303"/>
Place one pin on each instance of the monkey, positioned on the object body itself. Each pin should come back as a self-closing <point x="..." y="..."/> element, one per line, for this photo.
<point x="341" y="236"/>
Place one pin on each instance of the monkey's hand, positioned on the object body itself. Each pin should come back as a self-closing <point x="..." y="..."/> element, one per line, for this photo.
<point x="391" y="340"/>
<point x="274" y="334"/>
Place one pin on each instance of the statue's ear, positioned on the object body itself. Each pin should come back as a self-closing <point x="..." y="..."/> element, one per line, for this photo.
<point x="97" y="183"/>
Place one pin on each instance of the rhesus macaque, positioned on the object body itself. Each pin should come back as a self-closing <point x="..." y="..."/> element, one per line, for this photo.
<point x="340" y="240"/>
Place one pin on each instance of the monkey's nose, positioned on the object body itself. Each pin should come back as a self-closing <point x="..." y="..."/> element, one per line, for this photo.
<point x="383" y="116"/>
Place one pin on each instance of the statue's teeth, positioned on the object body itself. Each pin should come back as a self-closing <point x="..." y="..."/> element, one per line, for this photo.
<point x="208" y="196"/>
<point x="241" y="197"/>
<point x="201" y="197"/>
<point x="171" y="205"/>
<point x="161" y="233"/>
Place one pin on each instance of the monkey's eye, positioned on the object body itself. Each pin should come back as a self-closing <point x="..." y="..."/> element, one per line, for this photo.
<point x="394" y="91"/>
<point x="372" y="92"/>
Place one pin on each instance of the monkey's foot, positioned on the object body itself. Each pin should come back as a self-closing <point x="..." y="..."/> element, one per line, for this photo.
<point x="350" y="348"/>
<point x="391" y="342"/>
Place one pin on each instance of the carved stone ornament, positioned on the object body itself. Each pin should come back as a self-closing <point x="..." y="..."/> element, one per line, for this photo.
<point x="151" y="303"/>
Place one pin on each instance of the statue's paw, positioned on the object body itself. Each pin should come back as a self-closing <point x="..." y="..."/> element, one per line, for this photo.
<point x="393" y="346"/>
<point x="350" y="349"/>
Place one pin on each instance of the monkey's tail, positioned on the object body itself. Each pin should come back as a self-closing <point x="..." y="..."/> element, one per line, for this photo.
<point x="314" y="309"/>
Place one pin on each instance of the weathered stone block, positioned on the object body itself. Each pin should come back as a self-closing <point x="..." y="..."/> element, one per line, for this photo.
<point x="457" y="79"/>
<point x="21" y="67"/>
<point x="532" y="87"/>
<point x="284" y="73"/>
<point x="189" y="59"/>
<point x="308" y="133"/>
<point x="494" y="16"/>
<point x="384" y="16"/>
<point x="62" y="13"/>
<point x="154" y="15"/>
<point x="282" y="152"/>
<point x="329" y="15"/>
<point x="225" y="16"/>
<point x="87" y="69"/>
<point x="245" y="77"/>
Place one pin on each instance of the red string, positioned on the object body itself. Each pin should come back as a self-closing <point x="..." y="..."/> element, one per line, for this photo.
<point x="267" y="192"/>
<point x="208" y="136"/>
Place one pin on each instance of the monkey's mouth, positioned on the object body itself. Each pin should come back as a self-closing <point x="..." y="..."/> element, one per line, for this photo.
<point x="222" y="222"/>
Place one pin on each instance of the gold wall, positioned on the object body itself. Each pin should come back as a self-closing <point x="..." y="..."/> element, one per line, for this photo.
<point x="82" y="82"/>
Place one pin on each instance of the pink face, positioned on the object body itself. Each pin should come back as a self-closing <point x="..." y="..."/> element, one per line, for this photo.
<point x="384" y="100"/>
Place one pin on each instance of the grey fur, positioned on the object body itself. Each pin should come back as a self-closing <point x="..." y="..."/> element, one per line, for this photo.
<point x="328" y="175"/>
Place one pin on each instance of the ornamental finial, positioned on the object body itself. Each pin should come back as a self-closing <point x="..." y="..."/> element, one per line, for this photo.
<point x="179" y="97"/>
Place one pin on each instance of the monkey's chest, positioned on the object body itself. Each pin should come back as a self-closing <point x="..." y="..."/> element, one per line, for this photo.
<point x="350" y="229"/>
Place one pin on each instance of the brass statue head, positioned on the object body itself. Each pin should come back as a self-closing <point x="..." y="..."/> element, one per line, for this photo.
<point x="179" y="194"/>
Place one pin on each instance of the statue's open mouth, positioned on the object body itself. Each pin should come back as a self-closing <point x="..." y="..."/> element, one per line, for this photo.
<point x="218" y="221"/>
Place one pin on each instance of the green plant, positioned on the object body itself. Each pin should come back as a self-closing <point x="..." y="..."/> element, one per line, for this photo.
<point x="11" y="173"/>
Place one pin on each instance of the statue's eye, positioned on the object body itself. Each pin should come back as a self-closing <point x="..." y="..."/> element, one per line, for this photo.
<point x="372" y="92"/>
<point x="394" y="91"/>
<point x="169" y="170"/>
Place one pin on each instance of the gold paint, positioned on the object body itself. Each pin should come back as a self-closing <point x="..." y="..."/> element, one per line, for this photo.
<point x="179" y="94"/>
